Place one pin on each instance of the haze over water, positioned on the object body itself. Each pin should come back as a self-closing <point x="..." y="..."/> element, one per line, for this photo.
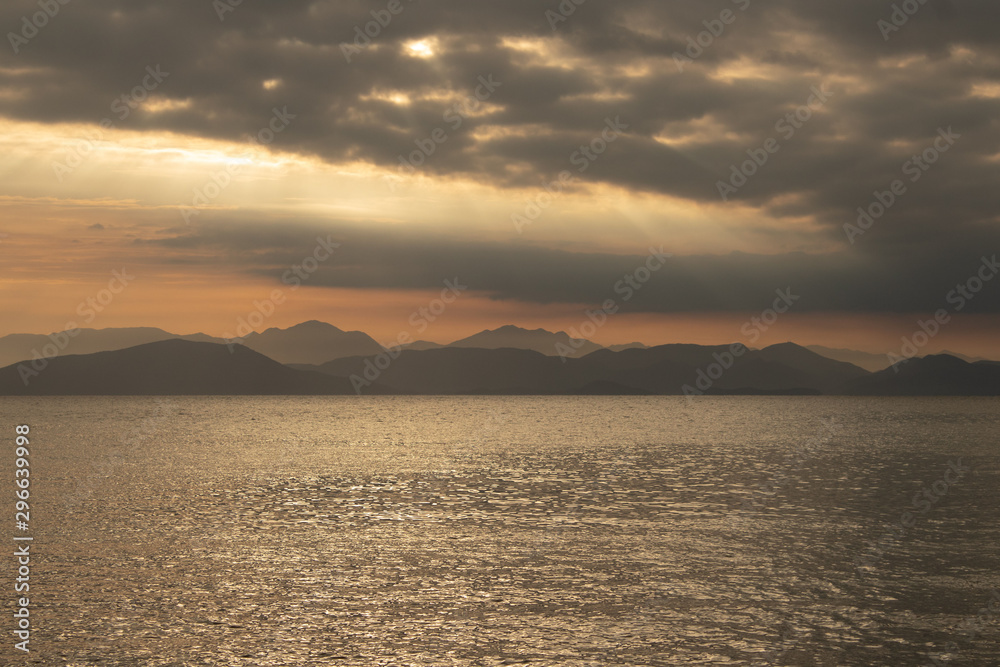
<point x="521" y="530"/>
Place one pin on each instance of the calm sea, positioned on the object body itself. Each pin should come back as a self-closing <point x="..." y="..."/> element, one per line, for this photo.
<point x="508" y="531"/>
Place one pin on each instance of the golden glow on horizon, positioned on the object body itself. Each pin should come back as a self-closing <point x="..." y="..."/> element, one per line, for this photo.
<point x="185" y="304"/>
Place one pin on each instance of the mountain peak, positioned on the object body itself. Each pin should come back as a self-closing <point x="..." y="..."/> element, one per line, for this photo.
<point x="539" y="340"/>
<point x="312" y="342"/>
<point x="314" y="325"/>
<point x="169" y="367"/>
<point x="932" y="375"/>
<point x="942" y="360"/>
<point x="513" y="328"/>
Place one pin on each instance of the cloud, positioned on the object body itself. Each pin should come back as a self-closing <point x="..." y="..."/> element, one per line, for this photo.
<point x="608" y="60"/>
<point x="370" y="259"/>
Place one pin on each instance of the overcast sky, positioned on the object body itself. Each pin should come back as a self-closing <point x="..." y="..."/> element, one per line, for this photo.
<point x="835" y="99"/>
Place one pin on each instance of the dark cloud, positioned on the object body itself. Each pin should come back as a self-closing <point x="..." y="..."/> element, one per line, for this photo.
<point x="840" y="282"/>
<point x="609" y="59"/>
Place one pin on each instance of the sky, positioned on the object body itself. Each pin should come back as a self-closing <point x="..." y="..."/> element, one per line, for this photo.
<point x="671" y="167"/>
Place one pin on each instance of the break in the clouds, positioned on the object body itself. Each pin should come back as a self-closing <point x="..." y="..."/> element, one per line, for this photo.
<point x="799" y="110"/>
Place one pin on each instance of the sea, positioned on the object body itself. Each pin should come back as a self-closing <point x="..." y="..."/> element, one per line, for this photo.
<point x="522" y="530"/>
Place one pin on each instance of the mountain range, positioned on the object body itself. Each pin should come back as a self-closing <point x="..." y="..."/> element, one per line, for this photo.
<point x="666" y="369"/>
<point x="316" y="343"/>
<point x="872" y="362"/>
<point x="166" y="367"/>
<point x="179" y="366"/>
<point x="18" y="347"/>
<point x="539" y="340"/>
<point x="305" y="343"/>
<point x="311" y="342"/>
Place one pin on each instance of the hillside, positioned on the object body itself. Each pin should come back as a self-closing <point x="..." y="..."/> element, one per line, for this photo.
<point x="170" y="367"/>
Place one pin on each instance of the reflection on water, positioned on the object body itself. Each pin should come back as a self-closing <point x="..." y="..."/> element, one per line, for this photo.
<point x="492" y="531"/>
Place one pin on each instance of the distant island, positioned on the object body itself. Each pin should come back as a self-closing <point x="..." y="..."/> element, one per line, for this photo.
<point x="316" y="358"/>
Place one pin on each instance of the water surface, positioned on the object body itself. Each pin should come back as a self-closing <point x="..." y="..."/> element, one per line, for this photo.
<point x="523" y="530"/>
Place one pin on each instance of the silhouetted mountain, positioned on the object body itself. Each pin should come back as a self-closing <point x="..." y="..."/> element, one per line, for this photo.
<point x="311" y="342"/>
<point x="824" y="374"/>
<point x="963" y="357"/>
<point x="314" y="343"/>
<point x="669" y="369"/>
<point x="666" y="369"/>
<point x="539" y="340"/>
<point x="17" y="347"/>
<point x="169" y="367"/>
<point x="627" y="346"/>
<point x="935" y="375"/>
<point x="462" y="371"/>
<point x="866" y="360"/>
<point x="423" y="345"/>
<point x="184" y="367"/>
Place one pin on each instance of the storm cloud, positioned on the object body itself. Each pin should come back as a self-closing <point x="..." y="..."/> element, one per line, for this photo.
<point x="702" y="87"/>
